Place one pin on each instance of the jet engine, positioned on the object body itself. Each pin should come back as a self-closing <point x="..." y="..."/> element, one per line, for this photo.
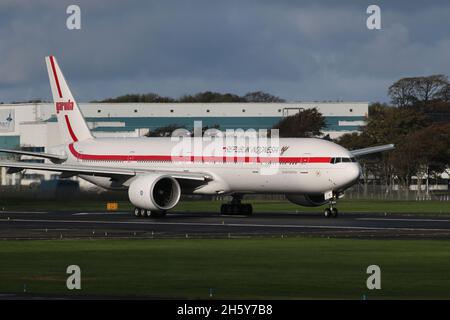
<point x="307" y="200"/>
<point x="154" y="192"/>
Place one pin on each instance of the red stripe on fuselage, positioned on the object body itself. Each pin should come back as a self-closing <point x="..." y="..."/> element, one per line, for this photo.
<point x="169" y="158"/>
<point x="55" y="76"/>
<point x="69" y="127"/>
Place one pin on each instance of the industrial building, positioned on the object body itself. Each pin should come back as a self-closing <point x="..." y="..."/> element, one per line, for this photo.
<point x="33" y="127"/>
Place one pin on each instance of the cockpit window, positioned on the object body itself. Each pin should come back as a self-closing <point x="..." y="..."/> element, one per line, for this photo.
<point x="342" y="159"/>
<point x="335" y="160"/>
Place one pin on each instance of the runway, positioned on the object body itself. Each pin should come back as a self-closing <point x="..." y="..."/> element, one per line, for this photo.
<point x="90" y="225"/>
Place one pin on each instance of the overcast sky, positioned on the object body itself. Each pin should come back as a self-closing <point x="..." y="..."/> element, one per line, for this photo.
<point x="298" y="50"/>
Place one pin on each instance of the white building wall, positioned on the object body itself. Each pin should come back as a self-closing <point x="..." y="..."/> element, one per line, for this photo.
<point x="43" y="111"/>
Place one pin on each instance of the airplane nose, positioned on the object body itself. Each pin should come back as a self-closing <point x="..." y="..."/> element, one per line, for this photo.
<point x="355" y="172"/>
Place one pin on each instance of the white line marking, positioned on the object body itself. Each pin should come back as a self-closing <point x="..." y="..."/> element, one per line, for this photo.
<point x="403" y="219"/>
<point x="66" y="229"/>
<point x="227" y="224"/>
<point x="99" y="213"/>
<point x="3" y="212"/>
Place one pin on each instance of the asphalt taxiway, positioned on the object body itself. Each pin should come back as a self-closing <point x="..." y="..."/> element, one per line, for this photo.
<point x="89" y="225"/>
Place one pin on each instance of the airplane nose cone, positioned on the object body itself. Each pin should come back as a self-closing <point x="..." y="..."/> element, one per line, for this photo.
<point x="355" y="172"/>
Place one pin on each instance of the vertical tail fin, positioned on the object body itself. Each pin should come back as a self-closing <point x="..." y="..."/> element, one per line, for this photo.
<point x="71" y="121"/>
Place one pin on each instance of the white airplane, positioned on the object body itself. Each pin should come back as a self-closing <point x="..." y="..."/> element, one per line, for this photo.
<point x="310" y="171"/>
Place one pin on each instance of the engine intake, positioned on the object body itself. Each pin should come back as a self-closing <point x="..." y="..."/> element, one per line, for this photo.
<point x="307" y="200"/>
<point x="154" y="192"/>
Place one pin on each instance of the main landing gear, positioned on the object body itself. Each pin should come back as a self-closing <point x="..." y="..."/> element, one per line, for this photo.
<point x="235" y="207"/>
<point x="332" y="211"/>
<point x="138" y="212"/>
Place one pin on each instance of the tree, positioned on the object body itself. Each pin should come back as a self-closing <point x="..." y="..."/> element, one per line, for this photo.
<point x="418" y="91"/>
<point x="206" y="96"/>
<point x="387" y="125"/>
<point x="260" y="96"/>
<point x="165" y="131"/>
<point x="402" y="92"/>
<point x="168" y="130"/>
<point x="444" y="94"/>
<point x="356" y="140"/>
<point x="209" y="96"/>
<point x="438" y="111"/>
<point x="427" y="152"/>
<point x="429" y="88"/>
<point x="148" y="97"/>
<point x="29" y="101"/>
<point x="306" y="123"/>
<point x="390" y="125"/>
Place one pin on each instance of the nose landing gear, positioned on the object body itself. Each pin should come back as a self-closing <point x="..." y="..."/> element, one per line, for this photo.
<point x="332" y="211"/>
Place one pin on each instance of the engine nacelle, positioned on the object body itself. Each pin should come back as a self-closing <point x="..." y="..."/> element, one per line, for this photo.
<point x="154" y="192"/>
<point x="307" y="200"/>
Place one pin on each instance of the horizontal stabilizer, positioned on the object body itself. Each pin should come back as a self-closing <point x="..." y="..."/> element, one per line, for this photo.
<point x="53" y="157"/>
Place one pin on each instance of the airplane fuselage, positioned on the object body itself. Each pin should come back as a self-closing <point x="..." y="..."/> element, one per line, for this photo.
<point x="292" y="166"/>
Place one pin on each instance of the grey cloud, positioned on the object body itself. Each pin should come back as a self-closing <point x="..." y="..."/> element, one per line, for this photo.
<point x="305" y="50"/>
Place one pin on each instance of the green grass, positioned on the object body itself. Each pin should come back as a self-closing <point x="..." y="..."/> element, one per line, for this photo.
<point x="291" y="268"/>
<point x="414" y="207"/>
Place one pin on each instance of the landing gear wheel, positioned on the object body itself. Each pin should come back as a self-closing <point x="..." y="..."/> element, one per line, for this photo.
<point x="334" y="212"/>
<point x="138" y="212"/>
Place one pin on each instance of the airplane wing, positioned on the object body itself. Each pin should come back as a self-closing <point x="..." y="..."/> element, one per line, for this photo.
<point x="75" y="169"/>
<point x="365" y="151"/>
<point x="52" y="157"/>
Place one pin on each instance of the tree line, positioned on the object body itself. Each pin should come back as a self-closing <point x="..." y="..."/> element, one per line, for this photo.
<point x="417" y="121"/>
<point x="204" y="97"/>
